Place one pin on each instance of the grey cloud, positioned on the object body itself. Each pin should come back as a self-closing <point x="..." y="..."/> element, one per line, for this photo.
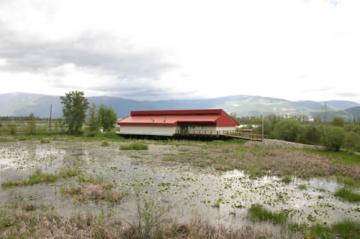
<point x="348" y="94"/>
<point x="32" y="55"/>
<point x="133" y="71"/>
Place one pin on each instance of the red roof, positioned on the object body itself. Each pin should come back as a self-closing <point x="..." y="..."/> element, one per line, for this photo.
<point x="214" y="117"/>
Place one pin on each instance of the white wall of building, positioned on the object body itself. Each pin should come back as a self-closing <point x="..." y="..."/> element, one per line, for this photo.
<point x="168" y="131"/>
<point x="147" y="130"/>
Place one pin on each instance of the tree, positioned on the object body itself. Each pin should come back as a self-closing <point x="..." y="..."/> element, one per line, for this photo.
<point x="75" y="106"/>
<point x="93" y="120"/>
<point x="333" y="137"/>
<point x="352" y="141"/>
<point x="107" y="117"/>
<point x="31" y="124"/>
<point x="287" y="129"/>
<point x="309" y="134"/>
<point x="338" y="121"/>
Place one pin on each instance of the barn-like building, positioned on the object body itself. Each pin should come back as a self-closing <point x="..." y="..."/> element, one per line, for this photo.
<point x="176" y="122"/>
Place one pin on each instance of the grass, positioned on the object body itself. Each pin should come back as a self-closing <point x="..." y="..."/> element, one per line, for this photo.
<point x="347" y="195"/>
<point x="340" y="157"/>
<point x="41" y="177"/>
<point x="258" y="213"/>
<point x="135" y="146"/>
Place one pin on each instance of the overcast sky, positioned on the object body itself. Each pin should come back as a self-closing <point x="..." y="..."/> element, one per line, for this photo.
<point x="161" y="49"/>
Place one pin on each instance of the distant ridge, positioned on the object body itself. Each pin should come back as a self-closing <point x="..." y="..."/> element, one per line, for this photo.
<point x="22" y="104"/>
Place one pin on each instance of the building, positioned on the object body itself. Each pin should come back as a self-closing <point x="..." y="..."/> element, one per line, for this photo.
<point x="176" y="122"/>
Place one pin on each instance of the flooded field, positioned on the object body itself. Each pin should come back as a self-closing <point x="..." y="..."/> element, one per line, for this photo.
<point x="182" y="191"/>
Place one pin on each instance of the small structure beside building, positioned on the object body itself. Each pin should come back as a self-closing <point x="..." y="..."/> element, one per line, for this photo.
<point x="177" y="122"/>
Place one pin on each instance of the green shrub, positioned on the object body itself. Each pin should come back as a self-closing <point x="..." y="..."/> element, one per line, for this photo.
<point x="135" y="146"/>
<point x="352" y="141"/>
<point x="12" y="129"/>
<point x="338" y="122"/>
<point x="309" y="134"/>
<point x="333" y="138"/>
<point x="31" y="124"/>
<point x="287" y="129"/>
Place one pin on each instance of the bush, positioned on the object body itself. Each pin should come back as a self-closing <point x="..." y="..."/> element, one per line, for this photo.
<point x="107" y="118"/>
<point x="338" y="121"/>
<point x="333" y="138"/>
<point x="309" y="134"/>
<point x="12" y="129"/>
<point x="352" y="141"/>
<point x="287" y="130"/>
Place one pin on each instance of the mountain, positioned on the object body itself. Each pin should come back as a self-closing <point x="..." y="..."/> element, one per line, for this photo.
<point x="22" y="104"/>
<point x="354" y="112"/>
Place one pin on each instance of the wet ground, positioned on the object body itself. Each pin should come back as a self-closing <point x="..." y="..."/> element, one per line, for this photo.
<point x="184" y="190"/>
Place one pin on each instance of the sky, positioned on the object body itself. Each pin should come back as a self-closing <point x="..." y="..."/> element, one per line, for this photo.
<point x="176" y="49"/>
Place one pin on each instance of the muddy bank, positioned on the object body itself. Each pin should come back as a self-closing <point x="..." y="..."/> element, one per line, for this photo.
<point x="184" y="190"/>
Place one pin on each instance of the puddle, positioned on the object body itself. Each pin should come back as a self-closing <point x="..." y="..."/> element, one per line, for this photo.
<point x="187" y="191"/>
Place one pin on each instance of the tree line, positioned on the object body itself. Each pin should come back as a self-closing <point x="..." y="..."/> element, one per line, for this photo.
<point x="77" y="111"/>
<point x="79" y="117"/>
<point x="333" y="135"/>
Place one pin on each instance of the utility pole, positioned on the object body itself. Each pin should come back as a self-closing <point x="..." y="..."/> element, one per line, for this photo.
<point x="50" y="116"/>
<point x="262" y="128"/>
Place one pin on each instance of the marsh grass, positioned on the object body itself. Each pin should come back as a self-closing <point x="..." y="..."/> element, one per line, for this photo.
<point x="93" y="189"/>
<point x="41" y="177"/>
<point x="104" y="144"/>
<point x="258" y="213"/>
<point x="44" y="141"/>
<point x="135" y="146"/>
<point x="343" y="229"/>
<point x="302" y="186"/>
<point x="347" y="181"/>
<point x="286" y="179"/>
<point x="151" y="223"/>
<point x="347" y="195"/>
